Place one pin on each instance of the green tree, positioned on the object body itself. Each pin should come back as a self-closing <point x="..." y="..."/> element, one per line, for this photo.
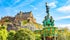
<point x="64" y="34"/>
<point x="24" y="34"/>
<point x="38" y="36"/>
<point x="11" y="35"/>
<point x="3" y="33"/>
<point x="24" y="22"/>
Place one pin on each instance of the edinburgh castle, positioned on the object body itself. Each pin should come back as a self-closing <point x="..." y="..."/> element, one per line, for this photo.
<point x="11" y="22"/>
<point x="19" y="17"/>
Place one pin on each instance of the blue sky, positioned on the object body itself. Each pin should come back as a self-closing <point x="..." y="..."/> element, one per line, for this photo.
<point x="59" y="9"/>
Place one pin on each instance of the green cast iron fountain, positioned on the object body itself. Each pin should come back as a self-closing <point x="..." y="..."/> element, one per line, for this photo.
<point x="49" y="31"/>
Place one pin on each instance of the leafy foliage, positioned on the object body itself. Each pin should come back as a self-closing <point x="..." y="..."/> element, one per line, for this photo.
<point x="3" y="33"/>
<point x="38" y="36"/>
<point x="24" y="34"/>
<point x="24" y="22"/>
<point x="11" y="35"/>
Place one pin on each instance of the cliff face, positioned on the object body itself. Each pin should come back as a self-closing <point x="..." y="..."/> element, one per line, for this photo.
<point x="16" y="21"/>
<point x="19" y="17"/>
<point x="24" y="16"/>
<point x="6" y="19"/>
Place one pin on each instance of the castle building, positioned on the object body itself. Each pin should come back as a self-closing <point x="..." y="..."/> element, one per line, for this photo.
<point x="25" y="16"/>
<point x="17" y="21"/>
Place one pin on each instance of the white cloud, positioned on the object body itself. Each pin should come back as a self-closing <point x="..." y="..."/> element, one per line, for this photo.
<point x="64" y="25"/>
<point x="52" y="5"/>
<point x="64" y="17"/>
<point x="10" y="11"/>
<point x="25" y="2"/>
<point x="68" y="2"/>
<point x="31" y="5"/>
<point x="16" y="1"/>
<point x="64" y="9"/>
<point x="34" y="7"/>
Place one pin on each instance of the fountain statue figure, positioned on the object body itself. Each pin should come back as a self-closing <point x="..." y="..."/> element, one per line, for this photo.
<point x="48" y="21"/>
